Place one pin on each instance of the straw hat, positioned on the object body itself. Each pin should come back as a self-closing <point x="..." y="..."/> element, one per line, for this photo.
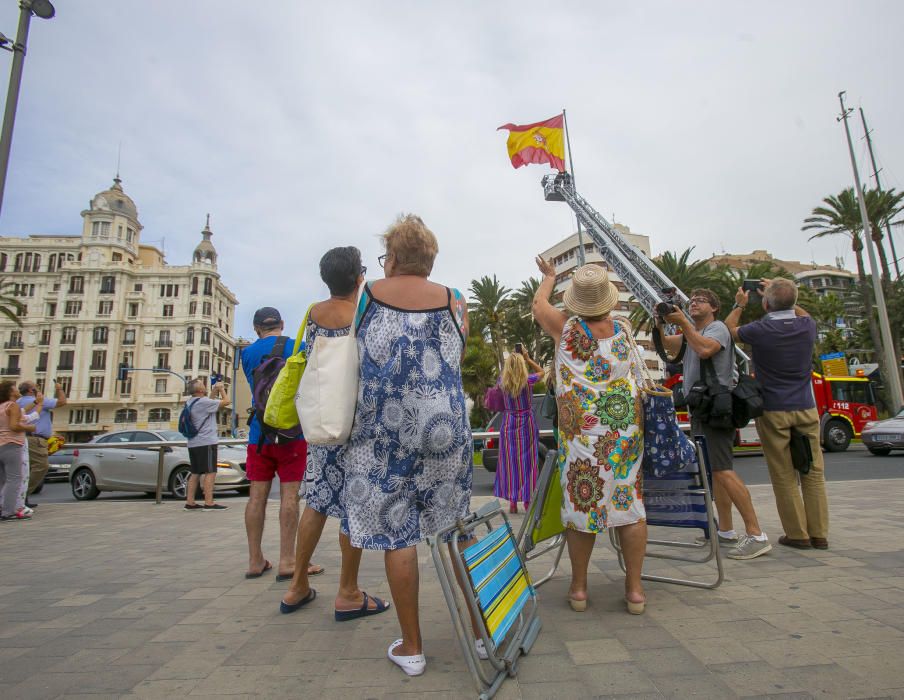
<point x="591" y="293"/>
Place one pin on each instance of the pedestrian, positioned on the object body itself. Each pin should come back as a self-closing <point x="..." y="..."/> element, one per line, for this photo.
<point x="37" y="441"/>
<point x="781" y="344"/>
<point x="12" y="440"/>
<point x="600" y="432"/>
<point x="516" y="471"/>
<point x="708" y="339"/>
<point x="409" y="460"/>
<point x="266" y="460"/>
<point x="342" y="272"/>
<point x="202" y="447"/>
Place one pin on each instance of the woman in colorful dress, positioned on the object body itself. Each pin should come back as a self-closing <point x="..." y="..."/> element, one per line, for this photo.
<point x="408" y="462"/>
<point x="516" y="471"/>
<point x="600" y="425"/>
<point x="342" y="272"/>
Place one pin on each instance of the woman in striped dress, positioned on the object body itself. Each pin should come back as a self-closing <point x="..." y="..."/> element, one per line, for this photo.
<point x="516" y="471"/>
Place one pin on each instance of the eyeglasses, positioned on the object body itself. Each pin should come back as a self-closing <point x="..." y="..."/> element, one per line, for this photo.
<point x="382" y="260"/>
<point x="699" y="300"/>
<point x="363" y="270"/>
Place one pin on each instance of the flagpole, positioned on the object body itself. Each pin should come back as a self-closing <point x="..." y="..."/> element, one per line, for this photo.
<point x="581" y="258"/>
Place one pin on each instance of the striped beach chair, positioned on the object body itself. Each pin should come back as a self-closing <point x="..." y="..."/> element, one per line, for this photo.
<point x="495" y="591"/>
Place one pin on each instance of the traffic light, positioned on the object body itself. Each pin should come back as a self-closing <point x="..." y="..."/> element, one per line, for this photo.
<point x="123" y="373"/>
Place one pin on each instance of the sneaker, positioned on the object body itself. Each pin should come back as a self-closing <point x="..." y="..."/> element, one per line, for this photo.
<point x="28" y="511"/>
<point x="215" y="506"/>
<point x="195" y="506"/>
<point x="749" y="548"/>
<point x="724" y="541"/>
<point x="19" y="515"/>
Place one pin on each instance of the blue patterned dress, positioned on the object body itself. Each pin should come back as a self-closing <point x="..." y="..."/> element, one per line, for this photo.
<point x="324" y="474"/>
<point x="409" y="460"/>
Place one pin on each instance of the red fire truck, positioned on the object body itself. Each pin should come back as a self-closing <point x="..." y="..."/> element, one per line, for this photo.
<point x="845" y="405"/>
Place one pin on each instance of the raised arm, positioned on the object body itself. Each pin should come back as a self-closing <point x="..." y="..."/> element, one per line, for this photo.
<point x="550" y="319"/>
<point x="703" y="346"/>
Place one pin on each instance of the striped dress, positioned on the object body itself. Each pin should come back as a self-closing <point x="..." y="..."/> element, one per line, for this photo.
<point x="516" y="471"/>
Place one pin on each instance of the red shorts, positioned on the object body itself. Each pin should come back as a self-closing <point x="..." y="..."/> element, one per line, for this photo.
<point x="287" y="460"/>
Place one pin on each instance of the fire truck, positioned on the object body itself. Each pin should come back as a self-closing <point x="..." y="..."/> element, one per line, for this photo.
<point x="845" y="405"/>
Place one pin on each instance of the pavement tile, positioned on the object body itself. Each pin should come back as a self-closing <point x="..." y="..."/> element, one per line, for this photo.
<point x="597" y="651"/>
<point x="616" y="680"/>
<point x="757" y="678"/>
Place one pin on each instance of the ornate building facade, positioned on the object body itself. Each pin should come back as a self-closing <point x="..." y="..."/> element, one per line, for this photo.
<point x="102" y="299"/>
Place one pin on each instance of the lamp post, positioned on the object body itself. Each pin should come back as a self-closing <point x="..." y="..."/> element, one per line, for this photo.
<point x="45" y="10"/>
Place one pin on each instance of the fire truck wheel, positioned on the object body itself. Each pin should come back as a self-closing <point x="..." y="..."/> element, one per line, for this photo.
<point x="836" y="436"/>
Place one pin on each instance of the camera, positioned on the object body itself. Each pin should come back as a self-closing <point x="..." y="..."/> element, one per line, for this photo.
<point x="519" y="348"/>
<point x="214" y="378"/>
<point x="664" y="308"/>
<point x="669" y="303"/>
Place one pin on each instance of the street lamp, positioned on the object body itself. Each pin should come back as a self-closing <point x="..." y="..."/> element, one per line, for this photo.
<point x="45" y="10"/>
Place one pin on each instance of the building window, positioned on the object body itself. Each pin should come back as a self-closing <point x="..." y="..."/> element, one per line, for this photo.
<point x="51" y="310"/>
<point x="99" y="359"/>
<point x="3" y="259"/>
<point x="125" y="388"/>
<point x="164" y="340"/>
<point x="76" y="284"/>
<point x="67" y="360"/>
<point x="125" y="415"/>
<point x="116" y="257"/>
<point x="100" y="229"/>
<point x="138" y="287"/>
<point x="130" y="235"/>
<point x="66" y="383"/>
<point x="160" y="386"/>
<point x="69" y="335"/>
<point x="73" y="308"/>
<point x="15" y="340"/>
<point x="167" y="310"/>
<point x="169" y="290"/>
<point x="100" y="335"/>
<point x="12" y="367"/>
<point x="95" y="387"/>
<point x="208" y="286"/>
<point x="45" y="337"/>
<point x="192" y="308"/>
<point x="107" y="285"/>
<point x="205" y="336"/>
<point x="190" y="335"/>
<point x="163" y="360"/>
<point x="128" y="336"/>
<point x="105" y="308"/>
<point x="133" y="309"/>
<point x="159" y="415"/>
<point x="204" y="360"/>
<point x="194" y="285"/>
<point x="207" y="308"/>
<point x="42" y="362"/>
<point x="189" y="359"/>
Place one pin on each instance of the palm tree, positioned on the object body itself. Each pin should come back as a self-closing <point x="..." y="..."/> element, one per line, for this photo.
<point x="520" y="326"/>
<point x="487" y="310"/>
<point x="9" y="305"/>
<point x="881" y="207"/>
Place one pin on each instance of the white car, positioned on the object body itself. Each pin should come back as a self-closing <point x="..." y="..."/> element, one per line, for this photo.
<point x="124" y="469"/>
<point x="883" y="436"/>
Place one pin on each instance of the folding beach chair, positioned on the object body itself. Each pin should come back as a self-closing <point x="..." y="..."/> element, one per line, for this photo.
<point x="542" y="531"/>
<point x="681" y="500"/>
<point x="496" y="592"/>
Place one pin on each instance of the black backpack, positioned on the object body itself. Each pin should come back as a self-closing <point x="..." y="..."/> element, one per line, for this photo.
<point x="262" y="379"/>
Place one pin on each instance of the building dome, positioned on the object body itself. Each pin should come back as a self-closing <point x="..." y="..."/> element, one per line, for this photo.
<point x="114" y="200"/>
<point x="204" y="251"/>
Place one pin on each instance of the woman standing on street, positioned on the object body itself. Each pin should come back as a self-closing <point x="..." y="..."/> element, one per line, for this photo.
<point x="12" y="440"/>
<point x="516" y="472"/>
<point x="600" y="425"/>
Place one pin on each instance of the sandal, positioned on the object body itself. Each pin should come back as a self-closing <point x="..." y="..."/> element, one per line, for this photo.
<point x="286" y="608"/>
<point x="635" y="608"/>
<point x="577" y="605"/>
<point x="267" y="567"/>
<point x="363" y="611"/>
<point x="413" y="665"/>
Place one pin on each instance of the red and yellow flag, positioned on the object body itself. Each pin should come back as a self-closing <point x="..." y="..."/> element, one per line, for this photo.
<point x="543" y="142"/>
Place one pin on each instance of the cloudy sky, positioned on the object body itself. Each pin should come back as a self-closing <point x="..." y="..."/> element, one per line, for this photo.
<point x="300" y="126"/>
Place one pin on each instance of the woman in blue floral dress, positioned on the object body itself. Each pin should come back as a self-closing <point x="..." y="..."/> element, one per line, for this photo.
<point x="408" y="463"/>
<point x="598" y="374"/>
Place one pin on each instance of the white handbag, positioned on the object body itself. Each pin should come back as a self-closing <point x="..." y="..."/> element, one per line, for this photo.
<point x="328" y="390"/>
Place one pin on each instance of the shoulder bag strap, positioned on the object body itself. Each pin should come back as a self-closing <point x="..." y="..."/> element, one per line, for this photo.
<point x="643" y="370"/>
<point x="299" y="339"/>
<point x="364" y="297"/>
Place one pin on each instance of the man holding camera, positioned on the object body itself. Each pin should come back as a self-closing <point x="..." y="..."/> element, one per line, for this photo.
<point x="708" y="339"/>
<point x="782" y="343"/>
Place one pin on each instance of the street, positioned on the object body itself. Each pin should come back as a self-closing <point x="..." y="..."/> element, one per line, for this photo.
<point x="856" y="463"/>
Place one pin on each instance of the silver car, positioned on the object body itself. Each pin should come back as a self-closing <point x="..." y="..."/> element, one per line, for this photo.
<point x="883" y="436"/>
<point x="124" y="469"/>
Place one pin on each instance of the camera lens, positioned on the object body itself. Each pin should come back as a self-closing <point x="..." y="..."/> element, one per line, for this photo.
<point x="663" y="308"/>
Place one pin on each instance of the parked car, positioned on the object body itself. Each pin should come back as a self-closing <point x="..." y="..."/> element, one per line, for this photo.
<point x="883" y="436"/>
<point x="490" y="451"/>
<point x="58" y="467"/>
<point x="124" y="469"/>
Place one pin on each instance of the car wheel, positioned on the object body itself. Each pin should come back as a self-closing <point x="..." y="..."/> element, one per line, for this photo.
<point x="40" y="487"/>
<point x="178" y="482"/>
<point x="836" y="436"/>
<point x="84" y="485"/>
<point x="881" y="451"/>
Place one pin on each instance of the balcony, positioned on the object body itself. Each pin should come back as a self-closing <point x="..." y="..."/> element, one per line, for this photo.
<point x="11" y="371"/>
<point x="44" y="341"/>
<point x="14" y="345"/>
<point x="164" y="368"/>
<point x="97" y="367"/>
<point x="128" y="341"/>
<point x="41" y="368"/>
<point x="65" y="367"/>
<point x="163" y="343"/>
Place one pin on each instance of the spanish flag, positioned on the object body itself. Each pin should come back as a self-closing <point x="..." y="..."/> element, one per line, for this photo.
<point x="542" y="142"/>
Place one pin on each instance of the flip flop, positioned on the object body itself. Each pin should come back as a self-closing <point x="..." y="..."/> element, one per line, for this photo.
<point x="285" y="608"/>
<point x="288" y="577"/>
<point x="267" y="567"/>
<point x="363" y="611"/>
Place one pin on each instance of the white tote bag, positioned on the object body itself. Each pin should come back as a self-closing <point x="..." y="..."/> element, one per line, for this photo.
<point x="328" y="390"/>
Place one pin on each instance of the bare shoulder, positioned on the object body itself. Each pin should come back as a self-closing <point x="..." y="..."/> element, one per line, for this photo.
<point x="410" y="293"/>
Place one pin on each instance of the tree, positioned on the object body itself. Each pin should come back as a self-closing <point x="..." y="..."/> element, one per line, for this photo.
<point x="9" y="305"/>
<point x="520" y="326"/>
<point x="486" y="309"/>
<point x="478" y="372"/>
<point x="881" y="207"/>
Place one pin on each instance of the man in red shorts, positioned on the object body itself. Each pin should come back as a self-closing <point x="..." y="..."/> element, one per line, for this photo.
<point x="285" y="459"/>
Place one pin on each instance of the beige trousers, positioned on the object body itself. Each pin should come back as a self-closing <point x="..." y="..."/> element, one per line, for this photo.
<point x="799" y="498"/>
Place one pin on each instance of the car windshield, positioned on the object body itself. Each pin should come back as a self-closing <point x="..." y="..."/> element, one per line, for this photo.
<point x="171" y="435"/>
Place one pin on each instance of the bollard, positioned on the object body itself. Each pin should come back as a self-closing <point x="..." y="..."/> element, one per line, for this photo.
<point x="160" y="456"/>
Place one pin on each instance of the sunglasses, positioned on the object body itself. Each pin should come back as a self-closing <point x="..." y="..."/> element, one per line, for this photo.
<point x="363" y="270"/>
<point x="382" y="260"/>
<point x="699" y="300"/>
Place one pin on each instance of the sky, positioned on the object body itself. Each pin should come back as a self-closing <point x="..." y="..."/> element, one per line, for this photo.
<point x="302" y="126"/>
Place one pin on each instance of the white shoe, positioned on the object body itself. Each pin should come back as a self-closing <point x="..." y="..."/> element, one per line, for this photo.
<point x="27" y="510"/>
<point x="411" y="665"/>
<point x="481" y="649"/>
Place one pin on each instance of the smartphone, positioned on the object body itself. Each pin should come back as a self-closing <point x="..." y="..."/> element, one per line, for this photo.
<point x="753" y="289"/>
<point x="519" y="348"/>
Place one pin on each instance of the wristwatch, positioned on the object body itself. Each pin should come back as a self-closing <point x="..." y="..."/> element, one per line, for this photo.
<point x="738" y="306"/>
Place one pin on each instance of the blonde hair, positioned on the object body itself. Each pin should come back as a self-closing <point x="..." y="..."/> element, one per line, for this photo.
<point x="411" y="245"/>
<point x="514" y="375"/>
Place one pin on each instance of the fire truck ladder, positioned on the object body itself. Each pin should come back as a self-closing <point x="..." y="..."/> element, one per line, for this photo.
<point x="646" y="282"/>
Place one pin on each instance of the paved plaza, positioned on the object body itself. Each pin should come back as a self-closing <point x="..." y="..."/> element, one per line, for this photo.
<point x="132" y="599"/>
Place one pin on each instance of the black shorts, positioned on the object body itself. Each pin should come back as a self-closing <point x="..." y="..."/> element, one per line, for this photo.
<point x="719" y="444"/>
<point x="203" y="459"/>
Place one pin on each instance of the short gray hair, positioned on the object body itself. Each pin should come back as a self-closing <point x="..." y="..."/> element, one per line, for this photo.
<point x="781" y="295"/>
<point x="196" y="385"/>
<point x="27" y="386"/>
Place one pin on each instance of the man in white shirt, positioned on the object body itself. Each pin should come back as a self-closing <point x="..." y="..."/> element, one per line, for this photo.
<point x="202" y="448"/>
